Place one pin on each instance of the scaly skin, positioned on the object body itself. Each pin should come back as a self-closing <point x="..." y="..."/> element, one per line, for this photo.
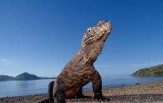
<point x="80" y="69"/>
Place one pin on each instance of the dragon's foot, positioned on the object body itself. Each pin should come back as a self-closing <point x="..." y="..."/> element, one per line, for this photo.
<point x="101" y="98"/>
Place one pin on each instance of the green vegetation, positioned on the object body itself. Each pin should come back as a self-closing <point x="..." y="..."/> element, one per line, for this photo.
<point x="151" y="71"/>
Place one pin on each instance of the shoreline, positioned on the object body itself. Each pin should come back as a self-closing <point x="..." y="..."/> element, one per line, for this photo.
<point x="139" y="93"/>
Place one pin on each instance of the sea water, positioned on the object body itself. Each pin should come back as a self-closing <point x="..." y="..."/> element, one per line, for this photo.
<point x="20" y="88"/>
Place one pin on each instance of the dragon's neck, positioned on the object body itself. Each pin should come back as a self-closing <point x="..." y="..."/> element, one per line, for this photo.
<point x="90" y="54"/>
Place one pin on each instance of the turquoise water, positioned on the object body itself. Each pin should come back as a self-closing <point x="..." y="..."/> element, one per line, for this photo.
<point x="18" y="88"/>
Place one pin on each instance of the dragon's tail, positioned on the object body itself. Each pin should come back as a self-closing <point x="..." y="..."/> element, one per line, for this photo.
<point x="50" y="91"/>
<point x="50" y="94"/>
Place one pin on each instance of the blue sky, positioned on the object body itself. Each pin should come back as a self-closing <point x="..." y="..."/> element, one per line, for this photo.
<point x="41" y="36"/>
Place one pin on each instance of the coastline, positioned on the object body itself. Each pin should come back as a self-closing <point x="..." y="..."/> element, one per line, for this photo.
<point x="139" y="93"/>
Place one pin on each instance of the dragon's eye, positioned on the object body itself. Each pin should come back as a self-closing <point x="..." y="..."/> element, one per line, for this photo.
<point x="89" y="29"/>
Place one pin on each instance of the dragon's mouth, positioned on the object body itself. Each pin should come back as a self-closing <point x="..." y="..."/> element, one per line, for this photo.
<point x="105" y="26"/>
<point x="105" y="29"/>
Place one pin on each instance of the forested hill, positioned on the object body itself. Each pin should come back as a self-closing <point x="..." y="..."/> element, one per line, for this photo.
<point x="151" y="71"/>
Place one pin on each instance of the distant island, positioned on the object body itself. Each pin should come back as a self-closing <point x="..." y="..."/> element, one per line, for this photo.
<point x="155" y="71"/>
<point x="23" y="76"/>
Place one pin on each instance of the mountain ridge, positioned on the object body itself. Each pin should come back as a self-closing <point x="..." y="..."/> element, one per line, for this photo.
<point x="23" y="76"/>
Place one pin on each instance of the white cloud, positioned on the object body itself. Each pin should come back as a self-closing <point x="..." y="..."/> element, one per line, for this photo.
<point x="110" y="65"/>
<point x="5" y="62"/>
<point x="101" y="65"/>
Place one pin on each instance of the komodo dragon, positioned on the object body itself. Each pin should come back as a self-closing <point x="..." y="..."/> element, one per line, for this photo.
<point x="80" y="70"/>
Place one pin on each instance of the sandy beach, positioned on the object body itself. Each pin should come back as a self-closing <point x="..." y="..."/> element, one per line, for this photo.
<point x="139" y="93"/>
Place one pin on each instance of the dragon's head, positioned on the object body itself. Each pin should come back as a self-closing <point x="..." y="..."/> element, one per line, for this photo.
<point x="94" y="39"/>
<point x="97" y="34"/>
